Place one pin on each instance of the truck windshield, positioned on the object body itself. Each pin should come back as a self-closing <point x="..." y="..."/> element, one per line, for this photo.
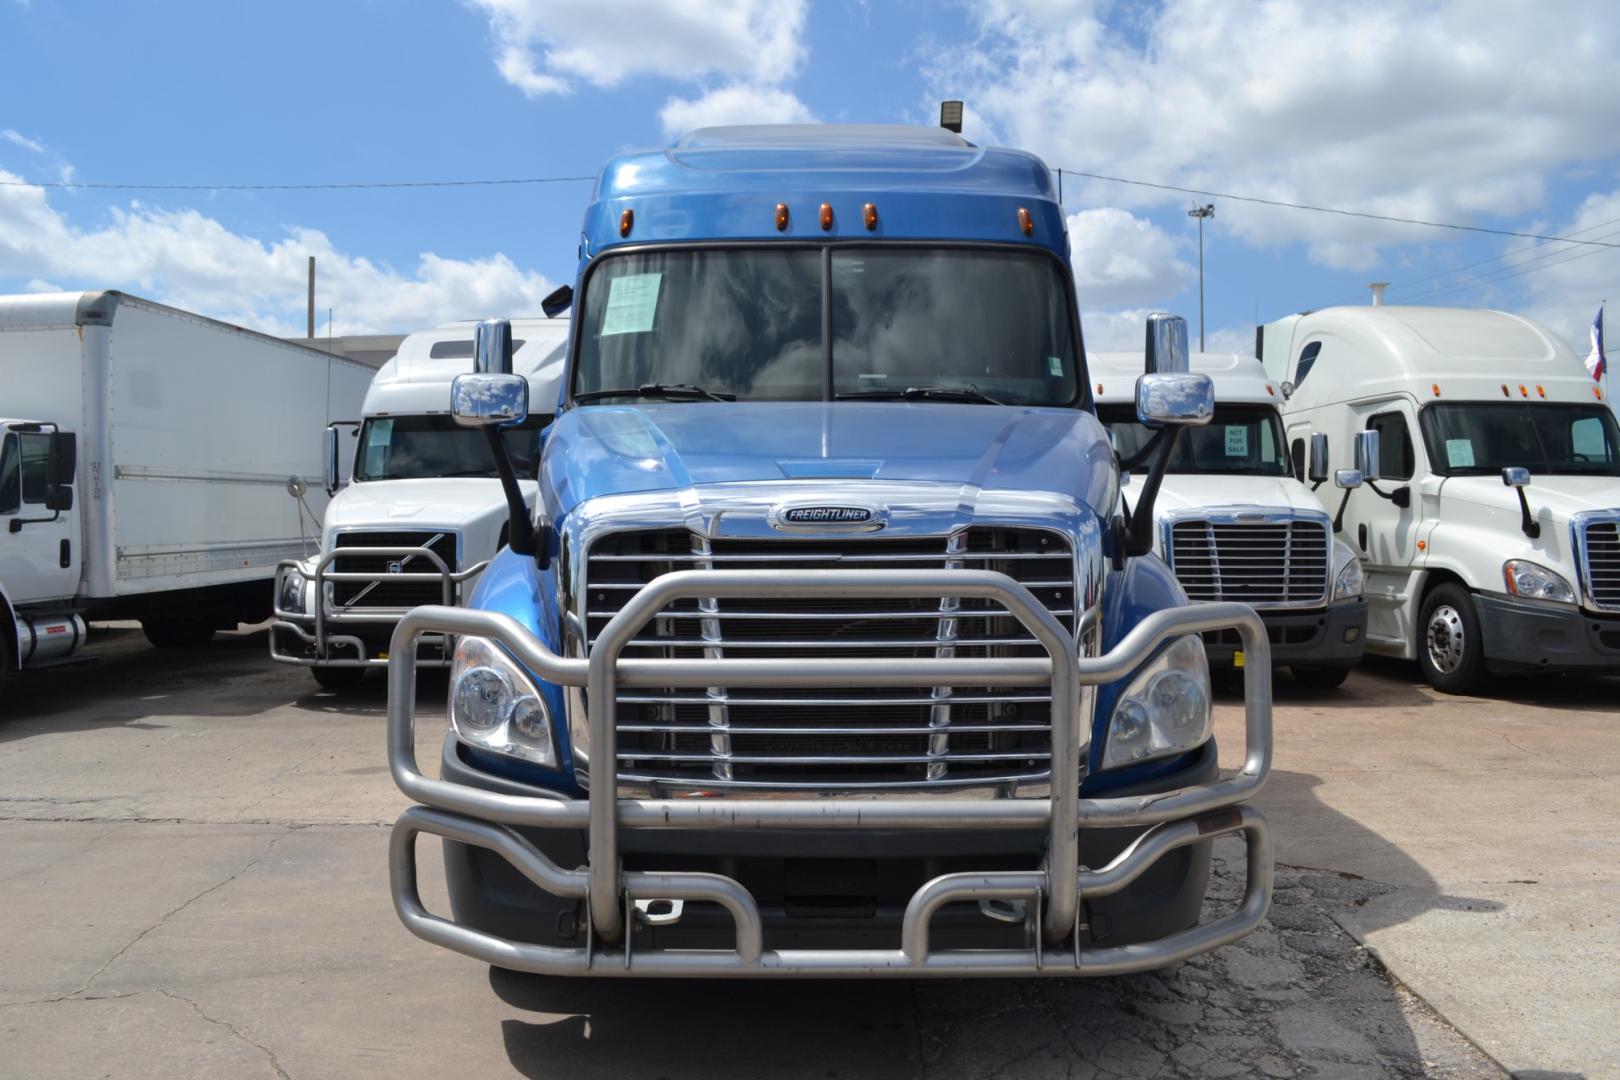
<point x="1240" y="439"/>
<point x="418" y="447"/>
<point x="947" y="324"/>
<point x="1544" y="437"/>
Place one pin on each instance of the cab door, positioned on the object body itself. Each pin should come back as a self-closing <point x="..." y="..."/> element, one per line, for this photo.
<point x="1386" y="522"/>
<point x="39" y="529"/>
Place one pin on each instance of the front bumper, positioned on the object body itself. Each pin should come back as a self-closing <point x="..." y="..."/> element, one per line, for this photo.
<point x="356" y="636"/>
<point x="1522" y="636"/>
<point x="1331" y="637"/>
<point x="1053" y="933"/>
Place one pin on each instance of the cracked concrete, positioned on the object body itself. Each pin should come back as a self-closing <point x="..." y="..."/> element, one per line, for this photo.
<point x="193" y="882"/>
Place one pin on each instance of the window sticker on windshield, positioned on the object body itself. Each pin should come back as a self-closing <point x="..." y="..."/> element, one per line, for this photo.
<point x="379" y="433"/>
<point x="632" y="303"/>
<point x="1237" y="440"/>
<point x="1054" y="366"/>
<point x="1460" y="453"/>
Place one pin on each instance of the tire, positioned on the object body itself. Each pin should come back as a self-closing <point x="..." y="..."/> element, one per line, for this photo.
<point x="1450" y="648"/>
<point x="338" y="678"/>
<point x="1320" y="678"/>
<point x="177" y="633"/>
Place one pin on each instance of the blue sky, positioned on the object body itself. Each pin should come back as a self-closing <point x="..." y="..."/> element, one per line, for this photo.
<point x="1501" y="115"/>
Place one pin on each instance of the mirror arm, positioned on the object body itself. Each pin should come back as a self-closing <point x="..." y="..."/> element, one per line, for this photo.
<point x="1338" y="518"/>
<point x="1148" y="449"/>
<point x="18" y="523"/>
<point x="520" y="534"/>
<point x="1531" y="527"/>
<point x="1141" y="523"/>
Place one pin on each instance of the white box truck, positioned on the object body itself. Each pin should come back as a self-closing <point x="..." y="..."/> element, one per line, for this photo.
<point x="425" y="511"/>
<point x="143" y="456"/>
<point x="1490" y="523"/>
<point x="1234" y="521"/>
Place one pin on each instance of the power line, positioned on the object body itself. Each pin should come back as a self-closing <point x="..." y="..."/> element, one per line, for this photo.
<point x="365" y="185"/>
<point x="1491" y="279"/>
<point x="1336" y="210"/>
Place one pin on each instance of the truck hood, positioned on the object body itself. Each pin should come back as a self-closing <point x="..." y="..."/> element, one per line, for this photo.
<point x="599" y="450"/>
<point x="471" y="506"/>
<point x="1557" y="496"/>
<point x="1203" y="491"/>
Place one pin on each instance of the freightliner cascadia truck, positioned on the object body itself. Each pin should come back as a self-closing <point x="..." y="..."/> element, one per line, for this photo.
<point x="825" y="651"/>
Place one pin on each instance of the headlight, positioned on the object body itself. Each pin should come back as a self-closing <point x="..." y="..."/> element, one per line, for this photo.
<point x="1347" y="577"/>
<point x="495" y="705"/>
<point x="1165" y="710"/>
<point x="291" y="599"/>
<point x="1535" y="582"/>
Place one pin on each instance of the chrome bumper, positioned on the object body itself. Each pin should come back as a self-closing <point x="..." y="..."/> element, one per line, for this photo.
<point x="1052" y="893"/>
<point x="313" y="628"/>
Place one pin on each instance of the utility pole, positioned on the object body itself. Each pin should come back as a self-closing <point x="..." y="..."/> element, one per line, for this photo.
<point x="1201" y="212"/>
<point x="311" y="334"/>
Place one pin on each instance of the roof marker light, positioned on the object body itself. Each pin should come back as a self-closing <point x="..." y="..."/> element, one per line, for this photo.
<point x="781" y="217"/>
<point x="1522" y="391"/>
<point x="1541" y="391"/>
<point x="1436" y="389"/>
<point x="627" y="221"/>
<point x="1026" y="223"/>
<point x="1505" y="391"/>
<point x="1099" y="388"/>
<point x="826" y="217"/>
<point x="869" y="215"/>
<point x="1597" y="393"/>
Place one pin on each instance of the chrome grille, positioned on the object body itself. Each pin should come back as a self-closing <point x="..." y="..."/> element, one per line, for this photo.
<point x="385" y="593"/>
<point x="1261" y="563"/>
<point x="1600" y="563"/>
<point x="900" y="736"/>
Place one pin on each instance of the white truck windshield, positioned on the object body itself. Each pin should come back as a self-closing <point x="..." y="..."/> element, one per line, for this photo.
<point x="1244" y="439"/>
<point x="915" y="322"/>
<point x="1545" y="437"/>
<point x="419" y="447"/>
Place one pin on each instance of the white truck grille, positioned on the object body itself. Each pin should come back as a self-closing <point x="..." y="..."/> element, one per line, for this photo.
<point x="886" y="737"/>
<point x="1260" y="563"/>
<point x="1600" y="563"/>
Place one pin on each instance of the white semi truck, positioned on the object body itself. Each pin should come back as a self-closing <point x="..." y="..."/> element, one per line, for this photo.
<point x="417" y="507"/>
<point x="134" y="485"/>
<point x="1490" y="526"/>
<point x="1234" y="520"/>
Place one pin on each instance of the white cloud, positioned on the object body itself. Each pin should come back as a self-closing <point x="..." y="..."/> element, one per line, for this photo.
<point x="1448" y="110"/>
<point x="739" y="103"/>
<point x="11" y="135"/>
<point x="64" y="170"/>
<point x="1121" y="260"/>
<point x="1564" y="285"/>
<point x="185" y="258"/>
<point x="548" y="46"/>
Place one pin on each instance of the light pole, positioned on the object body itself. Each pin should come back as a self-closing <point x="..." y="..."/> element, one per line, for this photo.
<point x="1201" y="212"/>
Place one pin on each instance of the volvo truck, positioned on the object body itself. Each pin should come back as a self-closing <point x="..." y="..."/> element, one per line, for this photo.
<point x="416" y="508"/>
<point x="1236" y="520"/>
<point x="824" y="649"/>
<point x="1489" y="525"/>
<point x="134" y="482"/>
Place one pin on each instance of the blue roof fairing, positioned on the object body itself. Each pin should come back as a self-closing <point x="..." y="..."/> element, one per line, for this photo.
<point x="725" y="183"/>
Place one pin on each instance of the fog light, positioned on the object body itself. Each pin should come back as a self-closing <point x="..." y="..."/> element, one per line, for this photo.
<point x="1352" y="634"/>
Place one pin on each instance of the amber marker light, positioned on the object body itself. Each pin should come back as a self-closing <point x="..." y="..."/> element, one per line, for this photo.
<point x="1522" y="391"/>
<point x="1541" y="391"/>
<point x="1505" y="391"/>
<point x="1423" y="545"/>
<point x="1099" y="388"/>
<point x="1436" y="389"/>
<point x="627" y="221"/>
<point x="1597" y="393"/>
<point x="1026" y="223"/>
<point x="869" y="215"/>
<point x="826" y="217"/>
<point x="781" y="217"/>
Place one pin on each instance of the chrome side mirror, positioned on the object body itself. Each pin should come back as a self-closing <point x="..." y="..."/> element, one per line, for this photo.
<point x="1287" y="389"/>
<point x="329" y="457"/>
<point x="296" y="486"/>
<point x="493" y="400"/>
<point x="1516" y="476"/>
<point x="1166" y="348"/>
<point x="1349" y="479"/>
<point x="1367" y="458"/>
<point x="492" y="347"/>
<point x="1174" y="400"/>
<point x="1318" y="471"/>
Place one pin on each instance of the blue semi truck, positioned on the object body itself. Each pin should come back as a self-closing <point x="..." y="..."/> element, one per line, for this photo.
<point x="825" y="651"/>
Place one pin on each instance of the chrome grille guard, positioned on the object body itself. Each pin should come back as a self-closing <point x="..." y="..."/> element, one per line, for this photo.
<point x="1173" y="820"/>
<point x="314" y="627"/>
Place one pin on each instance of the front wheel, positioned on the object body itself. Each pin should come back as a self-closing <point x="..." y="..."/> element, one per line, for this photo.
<point x="177" y="633"/>
<point x="1320" y="678"/>
<point x="338" y="678"/>
<point x="1450" y="650"/>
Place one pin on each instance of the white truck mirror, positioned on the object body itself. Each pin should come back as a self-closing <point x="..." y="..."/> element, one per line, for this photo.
<point x="1166" y="348"/>
<point x="329" y="459"/>
<point x="1174" y="400"/>
<point x="492" y="347"/>
<point x="1349" y="479"/>
<point x="1367" y="455"/>
<point x="489" y="400"/>
<point x="1516" y="476"/>
<point x="1318" y="471"/>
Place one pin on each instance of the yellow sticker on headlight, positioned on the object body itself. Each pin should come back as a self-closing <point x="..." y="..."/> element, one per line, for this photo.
<point x="1237" y="658"/>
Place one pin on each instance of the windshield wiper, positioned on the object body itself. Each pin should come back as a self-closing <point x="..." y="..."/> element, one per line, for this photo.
<point x="913" y="393"/>
<point x="674" y="391"/>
